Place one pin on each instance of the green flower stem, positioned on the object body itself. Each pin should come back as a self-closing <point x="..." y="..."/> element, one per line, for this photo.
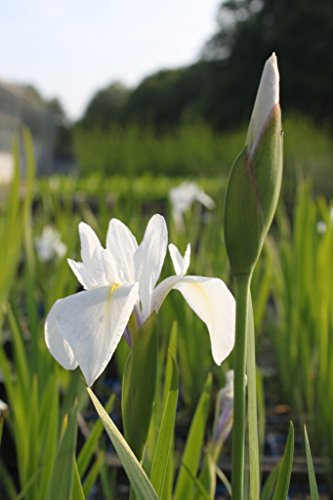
<point x="242" y="289"/>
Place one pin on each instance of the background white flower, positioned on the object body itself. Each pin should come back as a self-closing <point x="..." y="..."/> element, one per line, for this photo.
<point x="182" y="198"/>
<point x="49" y="245"/>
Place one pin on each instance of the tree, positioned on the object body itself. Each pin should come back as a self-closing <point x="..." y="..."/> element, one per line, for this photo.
<point x="300" y="32"/>
<point x="107" y="107"/>
<point x="166" y="97"/>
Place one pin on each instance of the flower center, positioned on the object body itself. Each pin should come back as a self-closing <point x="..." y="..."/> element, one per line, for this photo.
<point x="113" y="288"/>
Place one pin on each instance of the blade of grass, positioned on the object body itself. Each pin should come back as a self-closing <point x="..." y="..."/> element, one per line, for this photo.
<point x="137" y="476"/>
<point x="92" y="475"/>
<point x="283" y="480"/>
<point x="61" y="482"/>
<point x="90" y="444"/>
<point x="78" y="493"/>
<point x="138" y="388"/>
<point x="193" y="447"/>
<point x="164" y="441"/>
<point x="270" y="483"/>
<point x="314" y="494"/>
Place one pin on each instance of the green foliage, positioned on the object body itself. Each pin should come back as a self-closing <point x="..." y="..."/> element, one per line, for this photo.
<point x="311" y="472"/>
<point x="64" y="462"/>
<point x="106" y="107"/>
<point x="136" y="150"/>
<point x="132" y="466"/>
<point x="139" y="385"/>
<point x="294" y="275"/>
<point x="166" y="98"/>
<point x="191" y="454"/>
<point x="195" y="150"/>
<point x="302" y="291"/>
<point x="308" y="152"/>
<point x="10" y="230"/>
<point x="249" y="31"/>
<point x="283" y="479"/>
<point x="163" y="446"/>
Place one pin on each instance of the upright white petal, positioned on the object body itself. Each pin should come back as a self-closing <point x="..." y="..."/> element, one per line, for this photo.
<point x="180" y="263"/>
<point x="111" y="269"/>
<point x="122" y="245"/>
<point x="267" y="98"/>
<point x="89" y="242"/>
<point x="98" y="268"/>
<point x="90" y="247"/>
<point x="149" y="259"/>
<point x="86" y="328"/>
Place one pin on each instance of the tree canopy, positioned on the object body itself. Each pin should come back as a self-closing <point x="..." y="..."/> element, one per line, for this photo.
<point x="106" y="107"/>
<point x="220" y="88"/>
<point x="300" y="32"/>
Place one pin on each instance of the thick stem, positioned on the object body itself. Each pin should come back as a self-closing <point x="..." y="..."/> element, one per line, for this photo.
<point x="242" y="287"/>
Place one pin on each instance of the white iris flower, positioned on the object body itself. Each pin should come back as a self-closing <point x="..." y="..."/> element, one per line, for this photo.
<point x="182" y="197"/>
<point x="84" y="329"/>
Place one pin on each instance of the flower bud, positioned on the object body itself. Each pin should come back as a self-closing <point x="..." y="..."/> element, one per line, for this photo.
<point x="255" y="179"/>
<point x="224" y="411"/>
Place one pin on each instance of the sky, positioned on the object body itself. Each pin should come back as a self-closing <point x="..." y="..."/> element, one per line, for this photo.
<point x="71" y="48"/>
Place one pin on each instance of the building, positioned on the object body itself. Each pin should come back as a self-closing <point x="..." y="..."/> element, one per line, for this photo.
<point x="21" y="106"/>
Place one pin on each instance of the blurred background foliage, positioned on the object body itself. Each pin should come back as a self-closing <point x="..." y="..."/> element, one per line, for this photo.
<point x="192" y="120"/>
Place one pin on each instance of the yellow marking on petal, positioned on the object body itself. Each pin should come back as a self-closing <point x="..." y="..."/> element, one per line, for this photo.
<point x="113" y="288"/>
<point x="204" y="295"/>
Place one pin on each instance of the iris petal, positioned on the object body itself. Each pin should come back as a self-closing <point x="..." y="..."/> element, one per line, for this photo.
<point x="56" y="343"/>
<point x="149" y="259"/>
<point x="89" y="242"/>
<point x="180" y="263"/>
<point x="86" y="328"/>
<point x="212" y="301"/>
<point x="122" y="245"/>
<point x="82" y="274"/>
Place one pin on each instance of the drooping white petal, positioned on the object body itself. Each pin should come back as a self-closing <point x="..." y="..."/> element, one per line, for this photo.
<point x="267" y="98"/>
<point x="91" y="323"/>
<point x="180" y="264"/>
<point x="89" y="242"/>
<point x="56" y="343"/>
<point x="212" y="301"/>
<point x="149" y="259"/>
<point x="122" y="245"/>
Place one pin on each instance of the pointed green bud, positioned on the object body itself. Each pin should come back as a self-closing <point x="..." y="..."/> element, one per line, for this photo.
<point x="255" y="179"/>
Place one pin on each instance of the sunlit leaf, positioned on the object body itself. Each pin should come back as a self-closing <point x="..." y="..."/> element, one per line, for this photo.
<point x="137" y="476"/>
